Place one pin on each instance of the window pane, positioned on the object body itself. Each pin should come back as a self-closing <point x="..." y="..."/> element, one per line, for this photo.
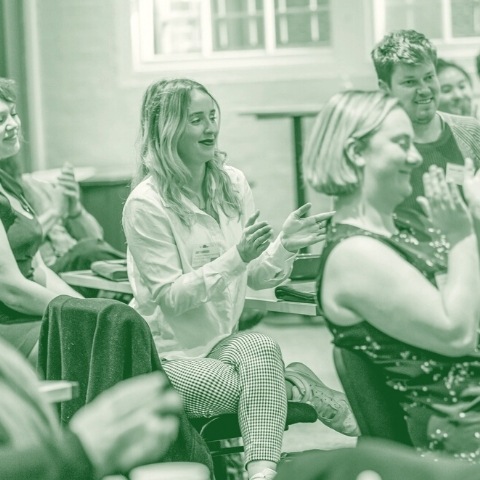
<point x="290" y="4"/>
<point x="425" y="16"/>
<point x="177" y="26"/>
<point x="236" y="6"/>
<point x="302" y="23"/>
<point x="465" y="18"/>
<point x="237" y="25"/>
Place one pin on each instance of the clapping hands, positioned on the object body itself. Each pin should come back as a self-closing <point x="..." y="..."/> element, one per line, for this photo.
<point x="255" y="238"/>
<point x="444" y="205"/>
<point x="70" y="189"/>
<point x="299" y="231"/>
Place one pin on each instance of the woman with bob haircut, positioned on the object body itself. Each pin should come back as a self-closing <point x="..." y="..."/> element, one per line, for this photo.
<point x="409" y="304"/>
<point x="194" y="243"/>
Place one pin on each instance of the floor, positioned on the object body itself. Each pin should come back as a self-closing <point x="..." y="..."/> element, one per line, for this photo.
<point x="308" y="340"/>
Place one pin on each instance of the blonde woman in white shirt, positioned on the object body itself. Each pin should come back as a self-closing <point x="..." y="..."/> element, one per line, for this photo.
<point x="194" y="243"/>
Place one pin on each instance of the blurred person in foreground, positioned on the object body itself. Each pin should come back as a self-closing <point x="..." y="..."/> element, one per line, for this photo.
<point x="408" y="303"/>
<point x="373" y="459"/>
<point x="131" y="424"/>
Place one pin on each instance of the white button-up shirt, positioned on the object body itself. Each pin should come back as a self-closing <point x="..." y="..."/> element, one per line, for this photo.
<point x="190" y="308"/>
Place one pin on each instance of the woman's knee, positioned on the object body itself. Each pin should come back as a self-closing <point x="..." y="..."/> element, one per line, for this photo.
<point x="262" y="345"/>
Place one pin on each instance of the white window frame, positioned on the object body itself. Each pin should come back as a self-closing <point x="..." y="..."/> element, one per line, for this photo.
<point x="453" y="47"/>
<point x="145" y="59"/>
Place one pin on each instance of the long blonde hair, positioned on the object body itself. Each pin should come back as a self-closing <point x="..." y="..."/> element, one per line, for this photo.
<point x="164" y="116"/>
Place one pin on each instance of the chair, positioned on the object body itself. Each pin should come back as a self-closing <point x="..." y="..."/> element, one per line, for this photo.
<point x="375" y="406"/>
<point x="99" y="342"/>
<point x="95" y="342"/>
<point x="225" y="427"/>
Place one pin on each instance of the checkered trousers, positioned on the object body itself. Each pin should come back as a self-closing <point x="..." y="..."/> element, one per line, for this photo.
<point x="244" y="374"/>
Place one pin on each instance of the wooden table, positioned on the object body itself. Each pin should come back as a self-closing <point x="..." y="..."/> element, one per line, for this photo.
<point x="259" y="299"/>
<point x="296" y="113"/>
<point x="58" y="390"/>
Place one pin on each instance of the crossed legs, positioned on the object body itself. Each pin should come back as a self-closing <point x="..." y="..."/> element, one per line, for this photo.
<point x="244" y="374"/>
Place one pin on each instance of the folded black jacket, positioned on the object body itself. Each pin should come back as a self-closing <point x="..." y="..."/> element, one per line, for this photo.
<point x="99" y="342"/>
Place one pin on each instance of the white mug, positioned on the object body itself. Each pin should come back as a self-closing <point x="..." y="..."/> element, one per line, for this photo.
<point x="171" y="471"/>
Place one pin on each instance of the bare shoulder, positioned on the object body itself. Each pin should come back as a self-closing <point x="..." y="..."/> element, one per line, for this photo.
<point x="361" y="251"/>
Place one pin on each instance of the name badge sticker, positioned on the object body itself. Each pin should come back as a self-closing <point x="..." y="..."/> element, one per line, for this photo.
<point x="204" y="254"/>
<point x="454" y="173"/>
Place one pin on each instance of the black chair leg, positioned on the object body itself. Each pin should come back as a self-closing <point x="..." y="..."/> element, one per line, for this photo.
<point x="220" y="468"/>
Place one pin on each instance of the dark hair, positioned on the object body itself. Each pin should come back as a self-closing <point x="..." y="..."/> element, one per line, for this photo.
<point x="444" y="64"/>
<point x="8" y="93"/>
<point x="8" y="90"/>
<point x="401" y="46"/>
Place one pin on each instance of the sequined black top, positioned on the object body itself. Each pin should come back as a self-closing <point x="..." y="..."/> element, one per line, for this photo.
<point x="440" y="395"/>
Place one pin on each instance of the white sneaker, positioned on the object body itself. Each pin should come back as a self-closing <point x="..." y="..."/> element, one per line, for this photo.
<point x="332" y="407"/>
<point x="267" y="474"/>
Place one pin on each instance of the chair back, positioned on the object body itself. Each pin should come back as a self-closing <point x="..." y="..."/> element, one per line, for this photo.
<point x="376" y="409"/>
<point x="99" y="342"/>
<point x="96" y="342"/>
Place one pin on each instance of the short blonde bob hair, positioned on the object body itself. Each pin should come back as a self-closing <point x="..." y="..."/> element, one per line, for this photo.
<point x="350" y="115"/>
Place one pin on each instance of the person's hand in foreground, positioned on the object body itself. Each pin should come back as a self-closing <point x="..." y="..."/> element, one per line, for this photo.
<point x="70" y="189"/>
<point x="131" y="424"/>
<point x="299" y="231"/>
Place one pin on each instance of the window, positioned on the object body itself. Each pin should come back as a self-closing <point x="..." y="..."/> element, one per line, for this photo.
<point x="465" y="18"/>
<point x="237" y="25"/>
<point x="302" y="23"/>
<point x="447" y="21"/>
<point x="166" y="30"/>
<point x="176" y="27"/>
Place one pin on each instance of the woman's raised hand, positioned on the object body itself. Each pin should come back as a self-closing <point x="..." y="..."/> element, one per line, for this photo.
<point x="70" y="189"/>
<point x="300" y="232"/>
<point x="255" y="238"/>
<point x="444" y="205"/>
